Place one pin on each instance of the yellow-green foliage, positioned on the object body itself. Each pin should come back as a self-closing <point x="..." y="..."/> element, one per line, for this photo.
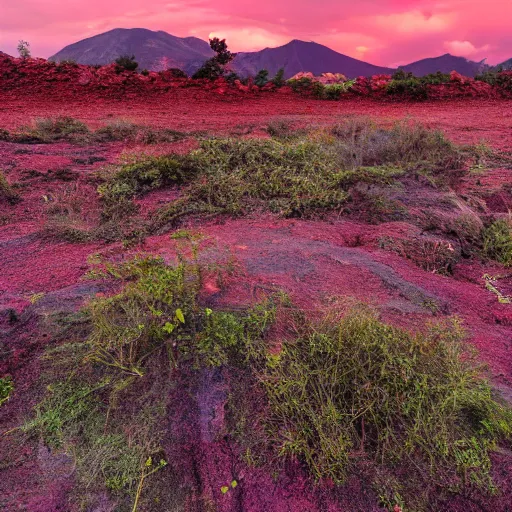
<point x="6" y="388"/>
<point x="110" y="410"/>
<point x="359" y="388"/>
<point x="498" y="241"/>
<point x="6" y="190"/>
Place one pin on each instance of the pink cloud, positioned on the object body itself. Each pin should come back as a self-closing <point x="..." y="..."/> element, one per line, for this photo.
<point x="464" y="48"/>
<point x="390" y="31"/>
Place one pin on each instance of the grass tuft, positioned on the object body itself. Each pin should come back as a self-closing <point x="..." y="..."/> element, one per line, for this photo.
<point x="6" y="190"/>
<point x="342" y="392"/>
<point x="498" y="241"/>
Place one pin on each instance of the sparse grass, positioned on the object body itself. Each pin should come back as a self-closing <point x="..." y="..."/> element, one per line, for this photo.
<point x="306" y="174"/>
<point x="47" y="130"/>
<point x="498" y="241"/>
<point x="343" y="392"/>
<point x="336" y="392"/>
<point x="140" y="175"/>
<point x="6" y="389"/>
<point x="360" y="142"/>
<point x="108" y="397"/>
<point x="68" y="217"/>
<point x="437" y="256"/>
<point x="121" y="130"/>
<point x="6" y="190"/>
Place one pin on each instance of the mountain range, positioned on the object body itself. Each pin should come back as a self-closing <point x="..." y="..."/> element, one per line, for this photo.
<point x="159" y="50"/>
<point x="155" y="51"/>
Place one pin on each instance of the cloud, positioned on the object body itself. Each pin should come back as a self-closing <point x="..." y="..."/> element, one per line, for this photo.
<point x="250" y="38"/>
<point x="415" y="22"/>
<point x="464" y="48"/>
<point x="390" y="30"/>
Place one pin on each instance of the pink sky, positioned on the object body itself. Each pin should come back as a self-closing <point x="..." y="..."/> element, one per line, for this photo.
<point x="385" y="32"/>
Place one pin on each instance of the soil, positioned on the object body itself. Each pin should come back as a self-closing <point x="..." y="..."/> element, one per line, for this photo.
<point x="314" y="261"/>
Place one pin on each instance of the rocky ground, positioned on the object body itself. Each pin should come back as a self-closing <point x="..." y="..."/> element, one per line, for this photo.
<point x="41" y="278"/>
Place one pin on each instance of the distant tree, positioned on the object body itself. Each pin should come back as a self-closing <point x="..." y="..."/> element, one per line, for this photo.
<point x="24" y="49"/>
<point x="126" y="63"/>
<point x="279" y="80"/>
<point x="219" y="46"/>
<point x="400" y="74"/>
<point x="261" y="78"/>
<point x="214" y="68"/>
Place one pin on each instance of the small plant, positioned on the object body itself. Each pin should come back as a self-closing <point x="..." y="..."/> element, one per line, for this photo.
<point x="23" y="49"/>
<point x="6" y="388"/>
<point x="498" y="241"/>
<point x="126" y="63"/>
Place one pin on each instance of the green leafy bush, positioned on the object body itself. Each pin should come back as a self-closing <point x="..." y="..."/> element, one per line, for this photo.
<point x="300" y="85"/>
<point x="126" y="63"/>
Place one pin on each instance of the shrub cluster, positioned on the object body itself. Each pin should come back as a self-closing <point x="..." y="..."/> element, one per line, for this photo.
<point x="347" y="391"/>
<point x="335" y="394"/>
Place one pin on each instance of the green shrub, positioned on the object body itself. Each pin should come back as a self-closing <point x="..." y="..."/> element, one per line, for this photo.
<point x="240" y="176"/>
<point x="237" y="176"/>
<point x="126" y="63"/>
<point x="52" y="129"/>
<point x="108" y="398"/>
<point x="498" y="241"/>
<point x="300" y="85"/>
<point x="261" y="78"/>
<point x="144" y="174"/>
<point x="412" y="88"/>
<point x="358" y="389"/>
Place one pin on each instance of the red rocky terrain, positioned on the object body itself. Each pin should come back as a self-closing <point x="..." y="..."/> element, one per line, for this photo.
<point x="311" y="260"/>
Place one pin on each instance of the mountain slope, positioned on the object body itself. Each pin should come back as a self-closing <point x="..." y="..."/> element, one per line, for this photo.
<point x="152" y="50"/>
<point x="297" y="56"/>
<point x="445" y="64"/>
<point x="507" y="65"/>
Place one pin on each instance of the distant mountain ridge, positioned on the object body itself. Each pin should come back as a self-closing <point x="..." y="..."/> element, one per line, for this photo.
<point x="159" y="50"/>
<point x="297" y="56"/>
<point x="153" y="50"/>
<point x="507" y="65"/>
<point x="445" y="64"/>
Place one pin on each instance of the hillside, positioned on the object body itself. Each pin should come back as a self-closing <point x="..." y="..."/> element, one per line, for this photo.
<point x="505" y="65"/>
<point x="445" y="64"/>
<point x="297" y="56"/>
<point x="153" y="50"/>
